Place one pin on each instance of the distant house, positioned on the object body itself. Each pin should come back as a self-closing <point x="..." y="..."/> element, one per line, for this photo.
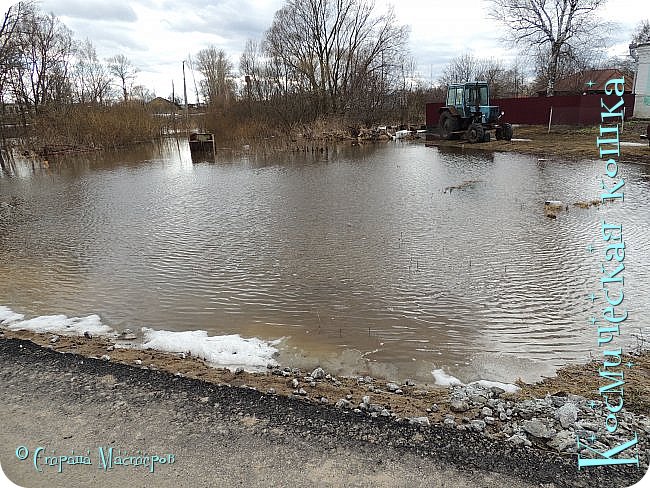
<point x="579" y="83"/>
<point x="12" y="114"/>
<point x="160" y="105"/>
<point x="12" y="109"/>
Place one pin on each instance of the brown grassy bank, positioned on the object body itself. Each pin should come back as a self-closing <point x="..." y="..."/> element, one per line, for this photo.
<point x="561" y="143"/>
<point x="236" y="126"/>
<point x="89" y="127"/>
<point x="272" y="133"/>
<point x="75" y="128"/>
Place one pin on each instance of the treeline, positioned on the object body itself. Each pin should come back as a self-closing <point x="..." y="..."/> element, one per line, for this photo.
<point x="337" y="63"/>
<point x="55" y="90"/>
<point x="318" y="60"/>
<point x="340" y="60"/>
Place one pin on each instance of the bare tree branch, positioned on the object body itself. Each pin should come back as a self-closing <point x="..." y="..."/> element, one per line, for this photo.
<point x="552" y="26"/>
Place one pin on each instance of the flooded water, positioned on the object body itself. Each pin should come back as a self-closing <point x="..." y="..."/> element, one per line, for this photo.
<point x="351" y="254"/>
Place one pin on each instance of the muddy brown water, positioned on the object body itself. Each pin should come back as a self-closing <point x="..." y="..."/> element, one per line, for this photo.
<point x="355" y="254"/>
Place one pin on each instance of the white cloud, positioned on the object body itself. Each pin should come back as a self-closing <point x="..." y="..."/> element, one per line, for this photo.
<point x="96" y="10"/>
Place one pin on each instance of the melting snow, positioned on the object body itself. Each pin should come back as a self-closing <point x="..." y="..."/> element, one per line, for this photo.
<point x="7" y="315"/>
<point x="444" y="379"/>
<point x="56" y="324"/>
<point x="227" y="350"/>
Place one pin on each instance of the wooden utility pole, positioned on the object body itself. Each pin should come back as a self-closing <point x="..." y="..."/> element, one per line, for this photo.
<point x="174" y="110"/>
<point x="185" y="95"/>
<point x="196" y="89"/>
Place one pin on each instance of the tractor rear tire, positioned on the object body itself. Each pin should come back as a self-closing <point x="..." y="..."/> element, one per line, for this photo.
<point x="475" y="133"/>
<point x="448" y="125"/>
<point x="507" y="132"/>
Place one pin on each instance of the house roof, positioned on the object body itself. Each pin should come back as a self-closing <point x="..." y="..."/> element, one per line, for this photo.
<point x="162" y="101"/>
<point x="577" y="82"/>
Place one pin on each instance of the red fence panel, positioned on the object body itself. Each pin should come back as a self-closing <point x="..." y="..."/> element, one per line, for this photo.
<point x="432" y="113"/>
<point x="567" y="110"/>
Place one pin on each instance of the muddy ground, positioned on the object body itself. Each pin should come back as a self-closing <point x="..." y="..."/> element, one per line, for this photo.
<point x="561" y="143"/>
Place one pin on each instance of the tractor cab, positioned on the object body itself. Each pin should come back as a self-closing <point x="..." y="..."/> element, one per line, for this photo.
<point x="470" y="99"/>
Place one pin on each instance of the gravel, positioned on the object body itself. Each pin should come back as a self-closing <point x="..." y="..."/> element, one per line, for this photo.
<point x="477" y="446"/>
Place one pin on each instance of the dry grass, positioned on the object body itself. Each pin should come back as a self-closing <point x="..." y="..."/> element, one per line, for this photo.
<point x="591" y="203"/>
<point x="562" y="143"/>
<point x="81" y="127"/>
<point x="584" y="380"/>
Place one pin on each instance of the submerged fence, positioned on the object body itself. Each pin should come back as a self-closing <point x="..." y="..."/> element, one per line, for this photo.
<point x="558" y="110"/>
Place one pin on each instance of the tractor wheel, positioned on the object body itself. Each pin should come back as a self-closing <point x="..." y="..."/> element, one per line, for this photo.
<point x="475" y="133"/>
<point x="507" y="132"/>
<point x="498" y="133"/>
<point x="448" y="125"/>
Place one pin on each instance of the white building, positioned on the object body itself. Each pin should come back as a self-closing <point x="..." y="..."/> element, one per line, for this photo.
<point x="642" y="82"/>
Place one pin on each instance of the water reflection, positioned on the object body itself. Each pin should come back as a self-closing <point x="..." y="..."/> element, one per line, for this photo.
<point x="357" y="247"/>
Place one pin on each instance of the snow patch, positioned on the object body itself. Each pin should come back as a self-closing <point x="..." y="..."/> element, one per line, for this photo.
<point x="228" y="350"/>
<point x="507" y="387"/>
<point x="7" y="315"/>
<point x="61" y="324"/>
<point x="633" y="144"/>
<point x="443" y="379"/>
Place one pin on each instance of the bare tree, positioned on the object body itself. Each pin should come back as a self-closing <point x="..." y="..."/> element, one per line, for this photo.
<point x="10" y="46"/>
<point x="41" y="75"/>
<point x="461" y="69"/>
<point x="503" y="81"/>
<point x="123" y="69"/>
<point x="642" y="33"/>
<point x="552" y="27"/>
<point x="515" y="81"/>
<point x="216" y="68"/>
<point x="250" y="66"/>
<point x="142" y="94"/>
<point x="11" y="41"/>
<point x="640" y="36"/>
<point x="335" y="50"/>
<point x="571" y="61"/>
<point x="93" y="81"/>
<point x="190" y="64"/>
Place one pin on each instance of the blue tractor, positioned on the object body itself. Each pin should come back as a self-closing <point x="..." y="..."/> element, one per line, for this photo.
<point x="468" y="113"/>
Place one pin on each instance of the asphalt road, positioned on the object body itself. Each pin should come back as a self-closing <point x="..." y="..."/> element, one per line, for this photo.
<point x="226" y="436"/>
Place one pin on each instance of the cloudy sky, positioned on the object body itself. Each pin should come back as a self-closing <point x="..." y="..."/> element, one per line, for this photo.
<point x="158" y="34"/>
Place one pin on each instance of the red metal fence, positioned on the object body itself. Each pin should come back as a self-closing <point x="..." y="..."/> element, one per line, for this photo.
<point x="567" y="110"/>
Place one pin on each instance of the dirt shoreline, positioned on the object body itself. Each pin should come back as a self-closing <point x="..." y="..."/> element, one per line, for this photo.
<point x="413" y="400"/>
<point x="104" y="401"/>
<point x="561" y="143"/>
